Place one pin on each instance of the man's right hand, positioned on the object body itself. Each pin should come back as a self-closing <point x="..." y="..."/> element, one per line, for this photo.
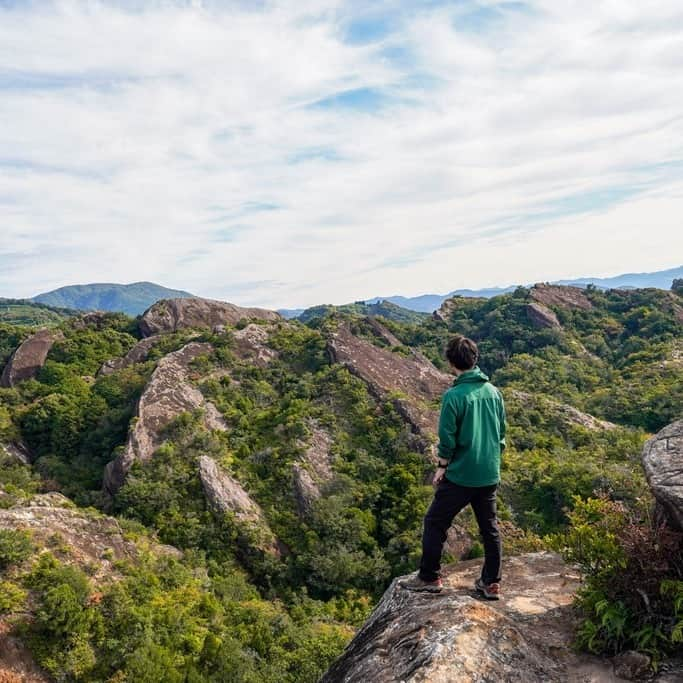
<point x="438" y="476"/>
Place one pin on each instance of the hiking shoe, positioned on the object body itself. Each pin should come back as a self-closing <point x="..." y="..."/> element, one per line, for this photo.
<point x="415" y="583"/>
<point x="490" y="591"/>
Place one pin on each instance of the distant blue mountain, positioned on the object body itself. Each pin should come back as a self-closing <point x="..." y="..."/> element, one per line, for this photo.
<point x="132" y="299"/>
<point x="427" y="303"/>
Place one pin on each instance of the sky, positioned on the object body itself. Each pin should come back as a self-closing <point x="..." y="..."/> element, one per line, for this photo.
<point x="294" y="153"/>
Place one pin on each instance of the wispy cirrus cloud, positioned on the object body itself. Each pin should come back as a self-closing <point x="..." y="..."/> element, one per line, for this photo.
<point x="330" y="151"/>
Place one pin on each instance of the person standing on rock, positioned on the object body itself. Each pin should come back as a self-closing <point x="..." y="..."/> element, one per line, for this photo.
<point x="471" y="440"/>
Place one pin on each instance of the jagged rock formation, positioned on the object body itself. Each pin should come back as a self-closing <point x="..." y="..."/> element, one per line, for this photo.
<point x="412" y="381"/>
<point x="170" y="315"/>
<point x="29" y="357"/>
<point x="541" y="316"/>
<point x="560" y="295"/>
<point x="315" y="468"/>
<point x="225" y="494"/>
<point x="137" y="354"/>
<point x="663" y="462"/>
<point x="251" y="343"/>
<point x="455" y="637"/>
<point x="168" y="394"/>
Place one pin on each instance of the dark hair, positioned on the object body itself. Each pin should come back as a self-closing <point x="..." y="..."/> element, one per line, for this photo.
<point x="462" y="352"/>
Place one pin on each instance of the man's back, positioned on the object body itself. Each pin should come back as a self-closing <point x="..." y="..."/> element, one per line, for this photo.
<point x="472" y="430"/>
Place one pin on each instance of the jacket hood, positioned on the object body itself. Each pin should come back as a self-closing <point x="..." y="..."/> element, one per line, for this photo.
<point x="473" y="375"/>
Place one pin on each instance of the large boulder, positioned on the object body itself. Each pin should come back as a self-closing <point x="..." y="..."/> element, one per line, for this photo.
<point x="169" y="393"/>
<point x="29" y="357"/>
<point x="225" y="494"/>
<point x="453" y="636"/>
<point x="663" y="462"/>
<point x="541" y="316"/>
<point x="171" y="315"/>
<point x="561" y="295"/>
<point x="410" y="381"/>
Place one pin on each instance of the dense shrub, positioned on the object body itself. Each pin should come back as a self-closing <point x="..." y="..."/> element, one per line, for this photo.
<point x="632" y="596"/>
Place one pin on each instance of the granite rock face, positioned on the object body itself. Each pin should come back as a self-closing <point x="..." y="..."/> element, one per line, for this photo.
<point x="663" y="462"/>
<point x="251" y="343"/>
<point x="561" y="295"/>
<point x="454" y="636"/>
<point x="171" y="315"/>
<point x="137" y="354"/>
<point x="541" y="316"/>
<point x="410" y="381"/>
<point x="225" y="494"/>
<point x="168" y="394"/>
<point x="29" y="357"/>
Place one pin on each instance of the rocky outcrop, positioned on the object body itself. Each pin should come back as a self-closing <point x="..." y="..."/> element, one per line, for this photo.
<point x="168" y="394"/>
<point x="29" y="357"/>
<point x="171" y="315"/>
<point x="560" y="295"/>
<point x="225" y="494"/>
<point x="84" y="538"/>
<point x="251" y="343"/>
<point x="92" y="539"/>
<point x="663" y="462"/>
<point x="16" y="662"/>
<point x="454" y="637"/>
<point x="541" y="316"/>
<point x="445" y="312"/>
<point x="314" y="469"/>
<point x="137" y="354"/>
<point x="412" y="382"/>
<point x="565" y="412"/>
<point x="17" y="451"/>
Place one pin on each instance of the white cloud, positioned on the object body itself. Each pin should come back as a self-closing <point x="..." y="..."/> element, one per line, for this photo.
<point x="177" y="143"/>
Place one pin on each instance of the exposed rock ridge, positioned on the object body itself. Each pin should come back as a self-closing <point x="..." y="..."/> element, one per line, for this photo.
<point x="570" y="414"/>
<point x="663" y="462"/>
<point x="226" y="494"/>
<point x="16" y="450"/>
<point x="449" y="306"/>
<point x="171" y="315"/>
<point x="29" y="357"/>
<point x="315" y="468"/>
<point x="168" y="394"/>
<point x="411" y="381"/>
<point x="137" y="354"/>
<point x="454" y="636"/>
<point x="560" y="295"/>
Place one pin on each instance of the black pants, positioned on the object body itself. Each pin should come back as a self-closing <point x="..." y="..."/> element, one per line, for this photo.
<point x="449" y="499"/>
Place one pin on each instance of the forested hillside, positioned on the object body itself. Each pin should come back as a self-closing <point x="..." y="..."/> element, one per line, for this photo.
<point x="287" y="466"/>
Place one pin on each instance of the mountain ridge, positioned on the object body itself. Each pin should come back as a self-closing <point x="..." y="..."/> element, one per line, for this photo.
<point x="426" y="303"/>
<point x="132" y="298"/>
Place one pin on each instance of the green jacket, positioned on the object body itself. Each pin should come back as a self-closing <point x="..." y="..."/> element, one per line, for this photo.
<point x="472" y="430"/>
